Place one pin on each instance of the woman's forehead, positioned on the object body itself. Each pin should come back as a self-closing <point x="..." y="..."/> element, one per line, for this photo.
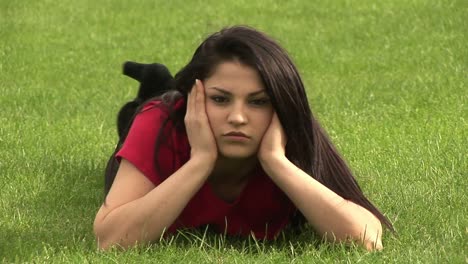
<point x="232" y="76"/>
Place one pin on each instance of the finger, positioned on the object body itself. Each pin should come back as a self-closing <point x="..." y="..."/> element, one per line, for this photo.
<point x="276" y="119"/>
<point x="193" y="96"/>
<point x="190" y="104"/>
<point x="203" y="93"/>
<point x="200" y="84"/>
<point x="200" y="99"/>
<point x="278" y="124"/>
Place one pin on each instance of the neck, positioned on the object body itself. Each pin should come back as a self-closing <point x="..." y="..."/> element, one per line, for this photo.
<point x="232" y="171"/>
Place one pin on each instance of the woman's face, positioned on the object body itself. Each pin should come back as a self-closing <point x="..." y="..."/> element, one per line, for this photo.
<point x="238" y="109"/>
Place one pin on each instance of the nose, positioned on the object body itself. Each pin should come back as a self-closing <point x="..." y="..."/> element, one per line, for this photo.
<point x="237" y="115"/>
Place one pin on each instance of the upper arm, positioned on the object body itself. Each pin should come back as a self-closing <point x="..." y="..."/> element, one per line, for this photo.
<point x="129" y="184"/>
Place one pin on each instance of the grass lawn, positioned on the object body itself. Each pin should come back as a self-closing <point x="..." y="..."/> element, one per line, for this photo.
<point x="388" y="79"/>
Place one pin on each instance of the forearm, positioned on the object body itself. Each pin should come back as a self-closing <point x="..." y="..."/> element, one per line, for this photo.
<point x="145" y="219"/>
<point x="326" y="211"/>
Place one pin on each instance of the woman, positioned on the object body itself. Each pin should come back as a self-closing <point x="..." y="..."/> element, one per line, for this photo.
<point x="234" y="146"/>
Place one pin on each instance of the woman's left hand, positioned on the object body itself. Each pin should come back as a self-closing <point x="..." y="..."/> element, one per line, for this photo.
<point x="273" y="142"/>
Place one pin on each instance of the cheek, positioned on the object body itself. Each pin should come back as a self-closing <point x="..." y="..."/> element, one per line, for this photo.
<point x="264" y="128"/>
<point x="264" y="122"/>
<point x="213" y="116"/>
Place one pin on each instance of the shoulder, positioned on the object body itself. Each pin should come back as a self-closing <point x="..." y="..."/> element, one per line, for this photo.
<point x="153" y="125"/>
<point x="158" y="107"/>
<point x="154" y="113"/>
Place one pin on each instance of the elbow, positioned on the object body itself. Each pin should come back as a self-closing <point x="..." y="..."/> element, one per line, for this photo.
<point x="103" y="243"/>
<point x="108" y="238"/>
<point x="104" y="240"/>
<point x="373" y="244"/>
<point x="371" y="237"/>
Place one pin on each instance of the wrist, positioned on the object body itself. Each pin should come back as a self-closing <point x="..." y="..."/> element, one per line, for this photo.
<point x="206" y="160"/>
<point x="269" y="161"/>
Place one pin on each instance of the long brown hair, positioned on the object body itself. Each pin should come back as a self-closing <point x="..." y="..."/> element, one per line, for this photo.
<point x="308" y="145"/>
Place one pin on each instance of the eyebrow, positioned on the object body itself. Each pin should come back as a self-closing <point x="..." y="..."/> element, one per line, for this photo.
<point x="221" y="90"/>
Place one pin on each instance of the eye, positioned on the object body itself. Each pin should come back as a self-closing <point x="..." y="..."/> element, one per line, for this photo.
<point x="219" y="99"/>
<point x="260" y="101"/>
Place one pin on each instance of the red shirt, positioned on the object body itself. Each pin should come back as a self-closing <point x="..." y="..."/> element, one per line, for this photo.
<point x="261" y="209"/>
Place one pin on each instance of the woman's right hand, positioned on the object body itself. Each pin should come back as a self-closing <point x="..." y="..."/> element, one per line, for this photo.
<point x="200" y="135"/>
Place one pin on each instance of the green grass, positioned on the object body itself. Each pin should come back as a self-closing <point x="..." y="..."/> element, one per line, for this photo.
<point x="388" y="80"/>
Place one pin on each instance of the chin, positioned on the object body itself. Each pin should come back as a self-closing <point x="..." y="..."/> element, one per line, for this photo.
<point x="237" y="153"/>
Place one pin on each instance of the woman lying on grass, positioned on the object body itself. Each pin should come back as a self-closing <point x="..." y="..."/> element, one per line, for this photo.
<point x="234" y="146"/>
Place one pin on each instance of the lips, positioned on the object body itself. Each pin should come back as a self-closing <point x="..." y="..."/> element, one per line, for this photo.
<point x="236" y="134"/>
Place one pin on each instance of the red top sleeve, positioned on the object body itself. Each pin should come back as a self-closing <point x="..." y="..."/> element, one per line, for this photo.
<point x="139" y="145"/>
